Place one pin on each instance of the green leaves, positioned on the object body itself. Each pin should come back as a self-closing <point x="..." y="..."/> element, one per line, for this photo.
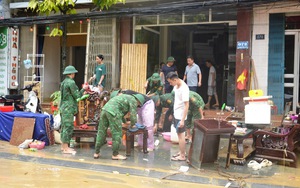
<point x="48" y="6"/>
<point x="106" y="3"/>
<point x="56" y="32"/>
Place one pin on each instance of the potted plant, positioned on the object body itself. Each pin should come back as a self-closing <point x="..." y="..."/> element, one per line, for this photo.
<point x="55" y="101"/>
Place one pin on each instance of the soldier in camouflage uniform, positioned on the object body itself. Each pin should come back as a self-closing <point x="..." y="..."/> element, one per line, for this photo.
<point x="155" y="85"/>
<point x="164" y="101"/>
<point x="112" y="116"/>
<point x="145" y="117"/>
<point x="196" y="105"/>
<point x="68" y="107"/>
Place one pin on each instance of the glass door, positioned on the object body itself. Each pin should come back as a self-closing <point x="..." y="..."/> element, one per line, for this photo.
<point x="291" y="68"/>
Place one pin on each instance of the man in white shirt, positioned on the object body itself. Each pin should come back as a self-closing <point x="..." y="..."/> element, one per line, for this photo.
<point x="211" y="90"/>
<point x="181" y="106"/>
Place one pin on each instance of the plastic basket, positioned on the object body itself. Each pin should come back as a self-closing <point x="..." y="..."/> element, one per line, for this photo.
<point x="38" y="145"/>
<point x="6" y="108"/>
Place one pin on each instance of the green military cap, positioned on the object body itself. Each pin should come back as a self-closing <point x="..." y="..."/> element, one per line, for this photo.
<point x="140" y="98"/>
<point x="69" y="70"/>
<point x="170" y="59"/>
<point x="155" y="77"/>
<point x="155" y="98"/>
<point x="114" y="93"/>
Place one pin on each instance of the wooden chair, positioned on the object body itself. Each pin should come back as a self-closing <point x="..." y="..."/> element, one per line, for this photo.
<point x="276" y="146"/>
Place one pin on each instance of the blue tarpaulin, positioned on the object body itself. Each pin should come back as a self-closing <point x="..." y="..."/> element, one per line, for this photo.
<point x="40" y="129"/>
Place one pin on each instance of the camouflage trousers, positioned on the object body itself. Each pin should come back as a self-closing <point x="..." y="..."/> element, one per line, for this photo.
<point x="67" y="127"/>
<point x="192" y="115"/>
<point x="115" y="124"/>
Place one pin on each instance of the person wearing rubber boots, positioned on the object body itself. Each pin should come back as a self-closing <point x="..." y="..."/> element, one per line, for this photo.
<point x="145" y="117"/>
<point x="196" y="106"/>
<point x="68" y="107"/>
<point x="154" y="85"/>
<point x="112" y="116"/>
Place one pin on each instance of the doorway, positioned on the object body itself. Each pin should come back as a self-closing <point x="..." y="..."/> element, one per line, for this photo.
<point x="291" y="68"/>
<point x="79" y="63"/>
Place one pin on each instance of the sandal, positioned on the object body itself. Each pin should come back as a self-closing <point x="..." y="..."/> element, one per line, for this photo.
<point x="68" y="151"/>
<point x="254" y="165"/>
<point x="62" y="149"/>
<point x="177" y="154"/>
<point x="118" y="157"/>
<point x="265" y="163"/>
<point x="96" y="156"/>
<point x="178" y="158"/>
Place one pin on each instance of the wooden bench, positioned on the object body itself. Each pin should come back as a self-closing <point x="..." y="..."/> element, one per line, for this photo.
<point x="130" y="139"/>
<point x="276" y="146"/>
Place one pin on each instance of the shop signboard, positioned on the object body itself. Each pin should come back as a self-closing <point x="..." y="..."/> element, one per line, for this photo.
<point x="3" y="60"/>
<point x="13" y="61"/>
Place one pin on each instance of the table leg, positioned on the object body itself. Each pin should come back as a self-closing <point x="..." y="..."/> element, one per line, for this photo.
<point x="145" y="143"/>
<point x="128" y="144"/>
<point x="240" y="148"/>
<point x="228" y="152"/>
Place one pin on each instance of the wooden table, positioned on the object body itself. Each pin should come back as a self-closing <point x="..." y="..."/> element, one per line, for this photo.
<point x="239" y="138"/>
<point x="91" y="131"/>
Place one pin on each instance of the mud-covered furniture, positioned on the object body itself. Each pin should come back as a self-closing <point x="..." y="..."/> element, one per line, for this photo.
<point x="130" y="139"/>
<point x="206" y="140"/>
<point x="277" y="146"/>
<point x="239" y="139"/>
<point x="90" y="132"/>
<point x="89" y="113"/>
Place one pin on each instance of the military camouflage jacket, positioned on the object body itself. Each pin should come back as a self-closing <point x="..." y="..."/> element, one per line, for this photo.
<point x="69" y="94"/>
<point x="166" y="101"/>
<point x="195" y="101"/>
<point x="156" y="88"/>
<point x="121" y="105"/>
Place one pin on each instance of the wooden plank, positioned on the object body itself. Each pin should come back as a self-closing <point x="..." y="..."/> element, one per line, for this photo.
<point x="134" y="67"/>
<point x="22" y="130"/>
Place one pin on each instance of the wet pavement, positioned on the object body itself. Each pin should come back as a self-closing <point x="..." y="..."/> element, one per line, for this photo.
<point x="50" y="168"/>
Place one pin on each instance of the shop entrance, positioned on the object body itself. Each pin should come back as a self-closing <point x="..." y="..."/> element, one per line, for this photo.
<point x="291" y="68"/>
<point x="215" y="42"/>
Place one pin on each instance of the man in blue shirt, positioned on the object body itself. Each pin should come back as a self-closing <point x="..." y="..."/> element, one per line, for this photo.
<point x="192" y="74"/>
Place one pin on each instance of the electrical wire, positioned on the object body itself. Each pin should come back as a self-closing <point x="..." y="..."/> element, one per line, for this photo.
<point x="158" y="8"/>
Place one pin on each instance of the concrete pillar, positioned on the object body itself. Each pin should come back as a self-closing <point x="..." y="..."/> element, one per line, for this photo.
<point x="163" y="44"/>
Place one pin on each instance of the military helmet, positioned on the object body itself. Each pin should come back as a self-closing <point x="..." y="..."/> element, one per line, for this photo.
<point x="155" y="77"/>
<point x="155" y="98"/>
<point x="170" y="59"/>
<point x="140" y="98"/>
<point x="69" y="70"/>
<point x="114" y="93"/>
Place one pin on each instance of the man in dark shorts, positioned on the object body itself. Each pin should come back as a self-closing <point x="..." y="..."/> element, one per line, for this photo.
<point x="181" y="106"/>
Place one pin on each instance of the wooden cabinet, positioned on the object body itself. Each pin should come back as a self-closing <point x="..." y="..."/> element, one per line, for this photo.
<point x="206" y="140"/>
